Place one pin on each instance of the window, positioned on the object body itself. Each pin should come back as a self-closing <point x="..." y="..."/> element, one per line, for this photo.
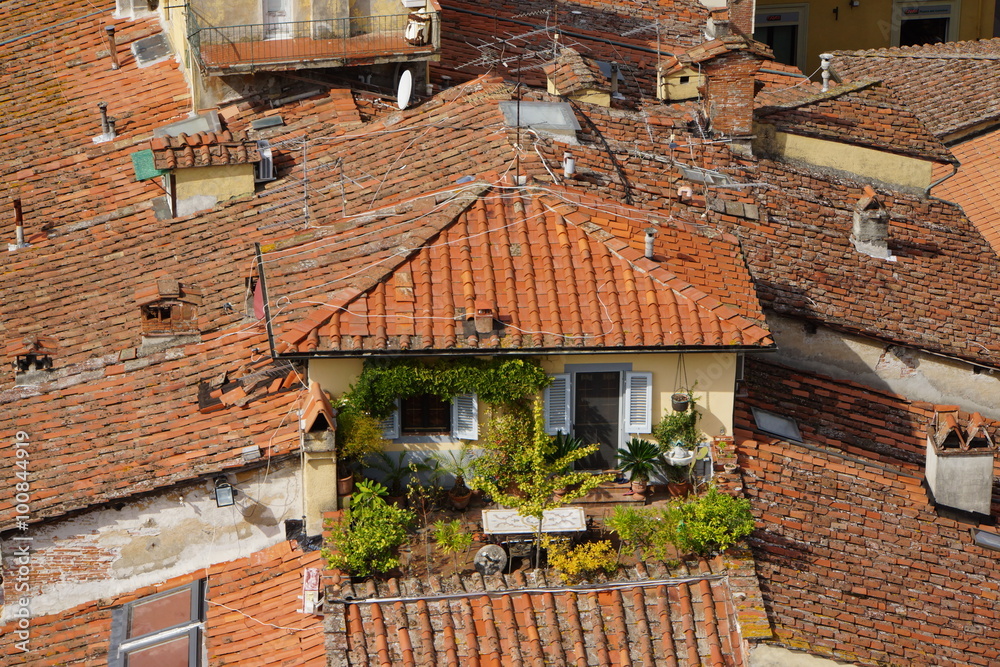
<point x="162" y="630"/>
<point x="924" y="23"/>
<point x="602" y="404"/>
<point x="428" y="415"/>
<point x="783" y="28"/>
<point x="783" y="427"/>
<point x="424" y="415"/>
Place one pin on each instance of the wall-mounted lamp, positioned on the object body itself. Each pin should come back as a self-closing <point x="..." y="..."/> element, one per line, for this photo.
<point x="225" y="494"/>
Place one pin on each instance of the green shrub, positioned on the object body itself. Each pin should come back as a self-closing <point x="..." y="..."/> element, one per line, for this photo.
<point x="634" y="526"/>
<point x="452" y="538"/>
<point x="365" y="542"/>
<point x="711" y="522"/>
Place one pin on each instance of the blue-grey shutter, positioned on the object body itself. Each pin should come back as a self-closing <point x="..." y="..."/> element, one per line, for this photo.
<point x="557" y="404"/>
<point x="390" y="425"/>
<point x="638" y="402"/>
<point x="465" y="417"/>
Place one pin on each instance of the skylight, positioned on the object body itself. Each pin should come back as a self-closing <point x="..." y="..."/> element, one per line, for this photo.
<point x="550" y="116"/>
<point x="783" y="427"/>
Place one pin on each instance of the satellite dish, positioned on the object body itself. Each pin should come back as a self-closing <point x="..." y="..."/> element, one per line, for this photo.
<point x="404" y="89"/>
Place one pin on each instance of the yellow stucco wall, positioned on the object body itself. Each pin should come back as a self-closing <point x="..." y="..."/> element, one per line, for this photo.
<point x="870" y="25"/>
<point x="220" y="182"/>
<point x="866" y="162"/>
<point x="712" y="375"/>
<point x="671" y="88"/>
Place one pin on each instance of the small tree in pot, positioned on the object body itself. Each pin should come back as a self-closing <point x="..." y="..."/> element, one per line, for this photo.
<point x="459" y="464"/>
<point x="639" y="459"/>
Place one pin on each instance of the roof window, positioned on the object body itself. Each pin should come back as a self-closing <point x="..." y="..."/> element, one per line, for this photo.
<point x="783" y="427"/>
<point x="552" y="117"/>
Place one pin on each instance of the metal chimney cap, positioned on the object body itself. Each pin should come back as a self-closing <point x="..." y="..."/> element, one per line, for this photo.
<point x="110" y="29"/>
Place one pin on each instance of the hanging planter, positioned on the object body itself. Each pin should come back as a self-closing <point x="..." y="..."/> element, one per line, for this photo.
<point x="680" y="401"/>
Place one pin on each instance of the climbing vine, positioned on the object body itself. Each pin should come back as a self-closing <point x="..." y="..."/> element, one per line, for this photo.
<point x="497" y="381"/>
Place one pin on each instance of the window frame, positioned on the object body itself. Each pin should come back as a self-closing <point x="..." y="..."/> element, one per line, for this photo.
<point x="121" y="645"/>
<point x="459" y="427"/>
<point x="801" y="22"/>
<point x="954" y="17"/>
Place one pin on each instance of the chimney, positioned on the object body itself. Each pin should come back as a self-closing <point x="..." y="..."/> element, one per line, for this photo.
<point x="650" y="236"/>
<point x="824" y="64"/>
<point x="112" y="47"/>
<point x="959" y="468"/>
<point x="569" y="165"/>
<point x="484" y="316"/>
<point x="870" y="229"/>
<point x="18" y="224"/>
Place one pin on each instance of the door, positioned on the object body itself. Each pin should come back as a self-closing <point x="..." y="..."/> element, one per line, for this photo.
<point x="597" y="417"/>
<point x="277" y="19"/>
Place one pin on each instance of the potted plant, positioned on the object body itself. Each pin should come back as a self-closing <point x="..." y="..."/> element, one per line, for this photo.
<point x="678" y="479"/>
<point x="457" y="463"/>
<point x="680" y="400"/>
<point x="639" y="459"/>
<point x="359" y="435"/>
<point x="396" y="473"/>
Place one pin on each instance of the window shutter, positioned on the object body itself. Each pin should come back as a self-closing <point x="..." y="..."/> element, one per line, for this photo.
<point x="557" y="406"/>
<point x="638" y="402"/>
<point x="390" y="425"/>
<point x="465" y="417"/>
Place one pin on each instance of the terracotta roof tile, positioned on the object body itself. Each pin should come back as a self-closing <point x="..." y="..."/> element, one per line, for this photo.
<point x="247" y="598"/>
<point x="525" y="619"/>
<point x="863" y="113"/>
<point x="478" y="243"/>
<point x="205" y="149"/>
<point x="858" y="564"/>
<point x="951" y="86"/>
<point x="975" y="186"/>
<point x="571" y="72"/>
<point x="804" y="264"/>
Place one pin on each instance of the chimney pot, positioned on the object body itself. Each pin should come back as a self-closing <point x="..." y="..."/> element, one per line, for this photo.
<point x="650" y="236"/>
<point x="112" y="48"/>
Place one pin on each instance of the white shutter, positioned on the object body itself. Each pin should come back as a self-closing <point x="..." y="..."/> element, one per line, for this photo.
<point x="390" y="425"/>
<point x="465" y="417"/>
<point x="557" y="406"/>
<point x="638" y="402"/>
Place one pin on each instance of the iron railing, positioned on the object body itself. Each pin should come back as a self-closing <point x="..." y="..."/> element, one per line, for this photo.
<point x="321" y="43"/>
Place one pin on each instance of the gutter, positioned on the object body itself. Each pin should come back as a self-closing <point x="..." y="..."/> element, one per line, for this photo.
<point x="519" y="352"/>
<point x="267" y="303"/>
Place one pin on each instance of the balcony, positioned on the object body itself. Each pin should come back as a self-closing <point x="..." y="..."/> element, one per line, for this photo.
<point x="337" y="42"/>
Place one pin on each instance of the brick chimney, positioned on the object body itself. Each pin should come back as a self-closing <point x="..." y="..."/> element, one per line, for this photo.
<point x="730" y="90"/>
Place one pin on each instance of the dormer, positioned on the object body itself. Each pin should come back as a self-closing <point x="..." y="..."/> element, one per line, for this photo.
<point x="168" y="309"/>
<point x="32" y="358"/>
<point x="960" y="452"/>
<point x="200" y="170"/>
<point x="582" y="79"/>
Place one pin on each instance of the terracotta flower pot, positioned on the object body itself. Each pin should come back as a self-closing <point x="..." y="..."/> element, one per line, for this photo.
<point x="639" y="487"/>
<point x="345" y="485"/>
<point x="460" y="498"/>
<point x="679" y="489"/>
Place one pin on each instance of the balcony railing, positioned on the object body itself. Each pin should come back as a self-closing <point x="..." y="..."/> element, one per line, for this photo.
<point x="357" y="40"/>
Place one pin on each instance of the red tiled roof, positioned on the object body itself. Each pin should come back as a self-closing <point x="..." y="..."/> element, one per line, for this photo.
<point x="53" y="73"/>
<point x="951" y="86"/>
<point x="205" y="149"/>
<point x="553" y="272"/>
<point x="247" y="598"/>
<point x="712" y="49"/>
<point x="976" y="185"/>
<point x="854" y="561"/>
<point x="519" y="618"/>
<point x="862" y="113"/>
<point x="937" y="295"/>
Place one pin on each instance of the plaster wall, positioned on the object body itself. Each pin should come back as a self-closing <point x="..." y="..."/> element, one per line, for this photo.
<point x="106" y="552"/>
<point x="873" y="24"/>
<point x="589" y="96"/>
<point x="961" y="480"/>
<point x="868" y="163"/>
<point x="235" y="180"/>
<point x="712" y="374"/>
<point x="671" y="87"/>
<point x="908" y="372"/>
